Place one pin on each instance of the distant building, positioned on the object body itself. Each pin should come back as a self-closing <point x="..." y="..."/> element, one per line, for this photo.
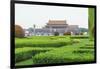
<point x="74" y="29"/>
<point x="53" y="26"/>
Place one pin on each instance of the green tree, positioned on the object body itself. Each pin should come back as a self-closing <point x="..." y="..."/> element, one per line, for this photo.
<point x="19" y="32"/>
<point x="56" y="33"/>
<point x="91" y="14"/>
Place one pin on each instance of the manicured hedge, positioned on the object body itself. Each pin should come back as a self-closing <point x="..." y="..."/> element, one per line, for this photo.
<point x="62" y="56"/>
<point x="87" y="47"/>
<point x="61" y="50"/>
<point x="27" y="52"/>
<point x="57" y="41"/>
<point x="79" y="37"/>
<point x="53" y="43"/>
<point x="40" y="44"/>
<point x="84" y="51"/>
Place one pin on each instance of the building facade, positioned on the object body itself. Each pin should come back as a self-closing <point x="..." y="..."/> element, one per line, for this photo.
<point x="53" y="26"/>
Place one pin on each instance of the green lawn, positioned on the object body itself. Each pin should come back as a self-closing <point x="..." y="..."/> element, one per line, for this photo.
<point x="53" y="49"/>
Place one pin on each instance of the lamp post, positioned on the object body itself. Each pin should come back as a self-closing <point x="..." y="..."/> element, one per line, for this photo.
<point x="50" y="29"/>
<point x="34" y="28"/>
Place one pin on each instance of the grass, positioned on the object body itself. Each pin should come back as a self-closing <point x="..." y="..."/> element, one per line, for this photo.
<point x="53" y="49"/>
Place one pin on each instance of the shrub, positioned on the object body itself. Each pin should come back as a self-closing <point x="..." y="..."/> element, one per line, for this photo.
<point x="76" y="33"/>
<point x="56" y="33"/>
<point x="84" y="51"/>
<point x="27" y="52"/>
<point x="75" y="40"/>
<point x="19" y="32"/>
<point x="67" y="33"/>
<point x="87" y="47"/>
<point x="90" y="44"/>
<point x="81" y="33"/>
<point x="24" y="42"/>
<point x="49" y="44"/>
<point x="79" y="37"/>
<point x="56" y="57"/>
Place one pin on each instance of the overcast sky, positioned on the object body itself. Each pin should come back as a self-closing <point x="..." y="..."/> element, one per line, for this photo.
<point x="27" y="15"/>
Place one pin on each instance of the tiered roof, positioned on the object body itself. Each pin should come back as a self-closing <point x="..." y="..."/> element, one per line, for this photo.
<point x="57" y="22"/>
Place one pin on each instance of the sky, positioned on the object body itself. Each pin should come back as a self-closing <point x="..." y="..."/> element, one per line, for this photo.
<point x="28" y="15"/>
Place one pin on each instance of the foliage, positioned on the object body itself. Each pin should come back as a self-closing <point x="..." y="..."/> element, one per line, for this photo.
<point x="66" y="54"/>
<point x="19" y="32"/>
<point x="67" y="33"/>
<point x="25" y="62"/>
<point x="30" y="30"/>
<point x="83" y="29"/>
<point x="79" y="37"/>
<point x="91" y="12"/>
<point x="74" y="50"/>
<point x="56" y="33"/>
<point x="41" y="42"/>
<point x="81" y="33"/>
<point x="27" y="52"/>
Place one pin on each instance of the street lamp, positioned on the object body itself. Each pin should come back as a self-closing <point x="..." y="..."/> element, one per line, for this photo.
<point x="34" y="28"/>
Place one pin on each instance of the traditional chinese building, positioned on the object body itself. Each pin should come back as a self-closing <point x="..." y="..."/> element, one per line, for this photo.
<point x="59" y="26"/>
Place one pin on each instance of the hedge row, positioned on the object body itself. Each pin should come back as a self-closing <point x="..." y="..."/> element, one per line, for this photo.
<point x="58" y="43"/>
<point x="27" y="52"/>
<point x="87" y="47"/>
<point x="42" y="44"/>
<point x="82" y="51"/>
<point x="79" y="37"/>
<point x="62" y="56"/>
<point x="42" y="41"/>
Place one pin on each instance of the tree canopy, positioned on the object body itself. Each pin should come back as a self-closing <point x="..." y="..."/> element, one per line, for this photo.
<point x="19" y="32"/>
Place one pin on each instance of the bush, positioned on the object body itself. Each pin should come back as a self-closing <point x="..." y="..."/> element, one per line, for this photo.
<point x="27" y="52"/>
<point x="79" y="37"/>
<point x="56" y="33"/>
<point x="24" y="42"/>
<point x="75" y="40"/>
<point x="76" y="33"/>
<point x="87" y="47"/>
<point x="61" y="56"/>
<point x="49" y="44"/>
<point x="90" y="44"/>
<point x="81" y="33"/>
<point x="19" y="32"/>
<point x="84" y="51"/>
<point x="67" y="33"/>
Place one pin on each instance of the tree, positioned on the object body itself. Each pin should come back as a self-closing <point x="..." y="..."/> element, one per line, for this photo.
<point x="30" y="30"/>
<point x="19" y="32"/>
<point x="56" y="33"/>
<point x="81" y="33"/>
<point x="91" y="22"/>
<point x="83" y="29"/>
<point x="93" y="31"/>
